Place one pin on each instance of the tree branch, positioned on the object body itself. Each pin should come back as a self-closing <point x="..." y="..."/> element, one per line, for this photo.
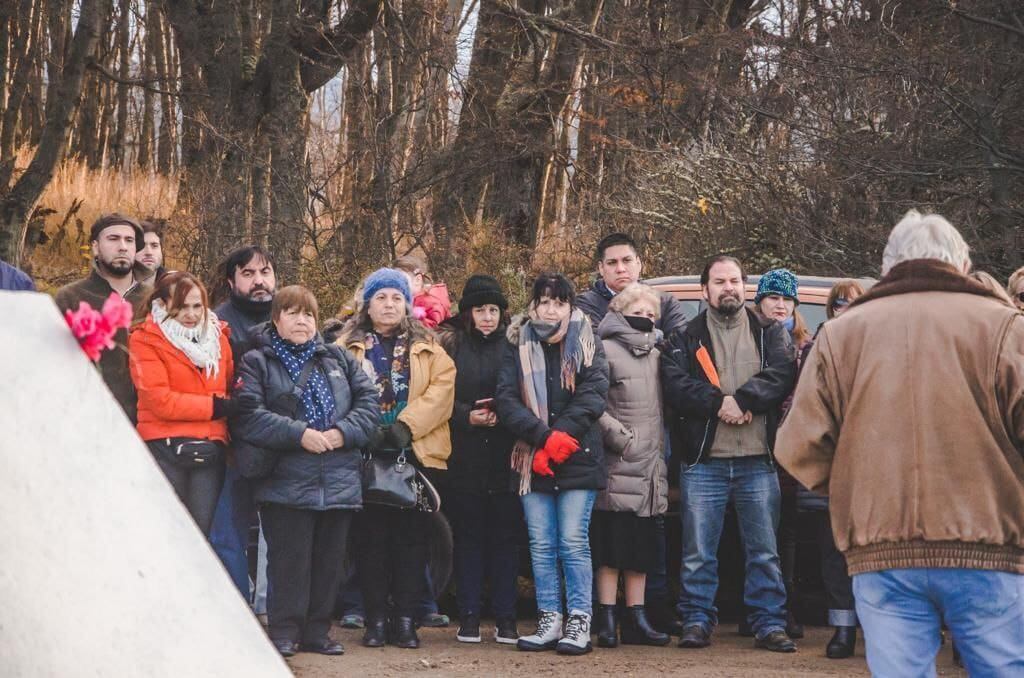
<point x="324" y="51"/>
<point x="144" y="83"/>
<point x="988" y="22"/>
<point x="550" y="22"/>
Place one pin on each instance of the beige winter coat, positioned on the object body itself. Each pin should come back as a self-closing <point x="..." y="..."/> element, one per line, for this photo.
<point x="632" y="425"/>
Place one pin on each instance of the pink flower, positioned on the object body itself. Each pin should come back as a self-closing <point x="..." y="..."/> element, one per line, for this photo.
<point x="95" y="331"/>
<point x="84" y="321"/>
<point x="117" y="312"/>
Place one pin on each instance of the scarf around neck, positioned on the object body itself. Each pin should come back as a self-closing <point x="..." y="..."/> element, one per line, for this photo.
<point x="200" y="344"/>
<point x="575" y="339"/>
<point x="317" y="396"/>
<point x="390" y="374"/>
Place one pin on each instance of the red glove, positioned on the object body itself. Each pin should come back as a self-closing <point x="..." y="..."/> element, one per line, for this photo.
<point x="560" y="446"/>
<point x="542" y="463"/>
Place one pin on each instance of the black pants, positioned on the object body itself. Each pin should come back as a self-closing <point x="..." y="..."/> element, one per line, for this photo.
<point x="788" y="537"/>
<point x="487" y="529"/>
<point x="838" y="585"/>
<point x="391" y="558"/>
<point x="305" y="550"/>
<point x="198" y="488"/>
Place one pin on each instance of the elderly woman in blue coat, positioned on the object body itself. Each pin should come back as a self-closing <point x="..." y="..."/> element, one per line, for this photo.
<point x="310" y="409"/>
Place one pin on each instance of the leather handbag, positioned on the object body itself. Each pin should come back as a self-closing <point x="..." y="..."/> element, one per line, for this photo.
<point x="389" y="481"/>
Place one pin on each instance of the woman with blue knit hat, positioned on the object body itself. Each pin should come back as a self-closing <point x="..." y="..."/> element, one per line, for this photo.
<point x="777" y="299"/>
<point x="415" y="381"/>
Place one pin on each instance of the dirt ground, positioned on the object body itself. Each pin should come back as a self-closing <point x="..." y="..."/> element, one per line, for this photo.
<point x="730" y="655"/>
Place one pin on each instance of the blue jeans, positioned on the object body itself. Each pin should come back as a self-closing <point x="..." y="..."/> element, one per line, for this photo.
<point x="705" y="489"/>
<point x="559" y="529"/>
<point x="902" y="612"/>
<point x="229" y="535"/>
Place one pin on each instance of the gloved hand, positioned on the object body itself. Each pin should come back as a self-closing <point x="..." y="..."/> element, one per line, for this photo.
<point x="397" y="436"/>
<point x="542" y="463"/>
<point x="560" y="446"/>
<point x="225" y="407"/>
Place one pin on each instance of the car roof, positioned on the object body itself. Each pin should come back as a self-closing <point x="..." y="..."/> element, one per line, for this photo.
<point x="813" y="289"/>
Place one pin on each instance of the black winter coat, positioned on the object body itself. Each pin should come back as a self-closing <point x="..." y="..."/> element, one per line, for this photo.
<point x="270" y="420"/>
<point x="480" y="454"/>
<point x="575" y="413"/>
<point x="693" y="402"/>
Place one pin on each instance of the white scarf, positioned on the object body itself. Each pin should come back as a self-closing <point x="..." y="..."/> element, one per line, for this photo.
<point x="201" y="344"/>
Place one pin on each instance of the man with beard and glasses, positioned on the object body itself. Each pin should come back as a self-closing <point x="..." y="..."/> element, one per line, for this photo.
<point x="114" y="239"/>
<point x="725" y="376"/>
<point x="248" y="275"/>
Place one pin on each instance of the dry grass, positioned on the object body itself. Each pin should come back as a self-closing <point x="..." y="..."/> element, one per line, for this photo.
<point x="76" y="197"/>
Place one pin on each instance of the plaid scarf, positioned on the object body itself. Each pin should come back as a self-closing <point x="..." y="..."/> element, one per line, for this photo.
<point x="390" y="374"/>
<point x="317" y="398"/>
<point x="575" y="338"/>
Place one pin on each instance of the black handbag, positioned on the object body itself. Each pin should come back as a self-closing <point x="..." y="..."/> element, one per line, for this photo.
<point x="389" y="482"/>
<point x="188" y="453"/>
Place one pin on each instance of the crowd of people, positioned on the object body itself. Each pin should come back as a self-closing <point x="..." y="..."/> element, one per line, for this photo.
<point x="898" y="426"/>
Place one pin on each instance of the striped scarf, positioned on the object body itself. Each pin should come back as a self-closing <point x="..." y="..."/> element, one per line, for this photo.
<point x="575" y="338"/>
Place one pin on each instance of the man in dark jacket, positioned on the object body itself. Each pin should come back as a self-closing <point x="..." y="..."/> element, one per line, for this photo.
<point x="618" y="265"/>
<point x="114" y="238"/>
<point x="248" y="273"/>
<point x="725" y="377"/>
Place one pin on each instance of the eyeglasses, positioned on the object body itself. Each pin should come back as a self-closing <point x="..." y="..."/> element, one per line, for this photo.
<point x="840" y="303"/>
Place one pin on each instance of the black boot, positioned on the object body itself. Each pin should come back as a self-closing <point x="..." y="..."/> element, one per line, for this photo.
<point x="404" y="634"/>
<point x="637" y="630"/>
<point x="794" y="629"/>
<point x="376" y="633"/>
<point x="605" y="626"/>
<point x="842" y="643"/>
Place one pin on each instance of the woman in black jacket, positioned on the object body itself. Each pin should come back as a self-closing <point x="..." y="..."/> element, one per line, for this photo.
<point x="551" y="392"/>
<point x="485" y="512"/>
<point x="309" y="408"/>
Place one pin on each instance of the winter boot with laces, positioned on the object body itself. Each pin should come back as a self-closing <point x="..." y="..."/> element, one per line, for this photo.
<point x="549" y="631"/>
<point x="576" y="639"/>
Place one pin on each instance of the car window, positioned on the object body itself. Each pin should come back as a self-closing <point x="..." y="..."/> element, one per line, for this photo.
<point x="814" y="314"/>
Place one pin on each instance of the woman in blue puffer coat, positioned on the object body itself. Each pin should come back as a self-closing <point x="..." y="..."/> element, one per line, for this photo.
<point x="308" y="409"/>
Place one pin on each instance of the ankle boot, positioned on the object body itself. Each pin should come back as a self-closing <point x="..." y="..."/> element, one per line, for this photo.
<point x="405" y="634"/>
<point x="637" y="629"/>
<point x="375" y="634"/>
<point x="604" y="626"/>
<point x="794" y="629"/>
<point x="842" y="643"/>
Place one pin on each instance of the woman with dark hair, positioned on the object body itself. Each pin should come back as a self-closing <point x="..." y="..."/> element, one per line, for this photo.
<point x="415" y="382"/>
<point x="838" y="585"/>
<point x="485" y="513"/>
<point x="310" y="408"/>
<point x="551" y="393"/>
<point x="181" y="365"/>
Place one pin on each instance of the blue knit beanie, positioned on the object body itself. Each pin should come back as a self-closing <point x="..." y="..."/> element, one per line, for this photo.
<point x="386" y="278"/>
<point x="780" y="281"/>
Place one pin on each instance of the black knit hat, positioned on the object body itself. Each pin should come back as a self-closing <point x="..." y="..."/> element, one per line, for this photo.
<point x="481" y="290"/>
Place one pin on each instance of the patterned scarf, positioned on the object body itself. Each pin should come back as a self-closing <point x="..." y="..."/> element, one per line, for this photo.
<point x="200" y="344"/>
<point x="575" y="338"/>
<point x="317" y="397"/>
<point x="390" y="374"/>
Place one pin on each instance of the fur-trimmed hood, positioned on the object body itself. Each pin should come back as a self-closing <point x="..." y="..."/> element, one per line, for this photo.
<point x="924" y="275"/>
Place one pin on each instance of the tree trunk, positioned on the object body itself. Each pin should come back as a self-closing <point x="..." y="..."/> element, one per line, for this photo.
<point x="62" y="99"/>
<point x="21" y="61"/>
<point x="117" y="145"/>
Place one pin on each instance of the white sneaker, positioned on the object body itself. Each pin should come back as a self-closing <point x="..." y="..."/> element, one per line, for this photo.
<point x="576" y="639"/>
<point x="549" y="630"/>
